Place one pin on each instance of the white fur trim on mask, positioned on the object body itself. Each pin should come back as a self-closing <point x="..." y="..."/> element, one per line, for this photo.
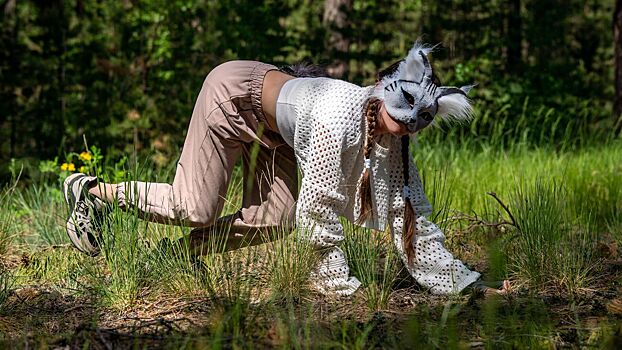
<point x="378" y="91"/>
<point x="455" y="107"/>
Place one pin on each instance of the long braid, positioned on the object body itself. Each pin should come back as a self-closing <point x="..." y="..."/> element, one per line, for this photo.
<point x="409" y="228"/>
<point x="371" y="116"/>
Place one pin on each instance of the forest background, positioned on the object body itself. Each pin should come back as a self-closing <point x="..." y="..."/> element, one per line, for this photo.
<point x="125" y="74"/>
<point x="529" y="191"/>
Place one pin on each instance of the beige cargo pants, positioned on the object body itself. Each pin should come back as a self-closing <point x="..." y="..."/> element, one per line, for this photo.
<point x="227" y="123"/>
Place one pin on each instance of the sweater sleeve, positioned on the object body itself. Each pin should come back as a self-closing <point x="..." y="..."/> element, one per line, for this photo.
<point x="433" y="266"/>
<point x="322" y="200"/>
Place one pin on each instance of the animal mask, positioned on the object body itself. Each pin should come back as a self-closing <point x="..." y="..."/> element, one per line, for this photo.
<point x="412" y="97"/>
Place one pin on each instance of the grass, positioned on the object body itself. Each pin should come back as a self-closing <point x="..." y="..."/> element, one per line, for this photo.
<point x="553" y="247"/>
<point x="42" y="208"/>
<point x="565" y="201"/>
<point x="8" y="220"/>
<point x="289" y="263"/>
<point x="374" y="261"/>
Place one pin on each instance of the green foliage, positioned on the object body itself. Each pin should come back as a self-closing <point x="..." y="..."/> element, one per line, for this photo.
<point x="126" y="74"/>
<point x="290" y="261"/>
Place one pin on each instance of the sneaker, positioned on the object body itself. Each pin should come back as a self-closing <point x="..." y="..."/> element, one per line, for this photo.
<point x="85" y="213"/>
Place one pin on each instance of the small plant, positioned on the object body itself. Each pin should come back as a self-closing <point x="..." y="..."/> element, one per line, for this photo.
<point x="89" y="161"/>
<point x="179" y="271"/>
<point x="126" y="258"/>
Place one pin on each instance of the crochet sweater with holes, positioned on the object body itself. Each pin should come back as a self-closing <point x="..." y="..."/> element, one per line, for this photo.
<point x="328" y="141"/>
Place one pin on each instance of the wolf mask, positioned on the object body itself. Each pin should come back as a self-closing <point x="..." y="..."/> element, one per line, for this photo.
<point x="412" y="97"/>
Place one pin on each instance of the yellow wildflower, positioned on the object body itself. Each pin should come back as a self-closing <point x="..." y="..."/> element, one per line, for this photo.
<point x="86" y="156"/>
<point x="68" y="167"/>
<point x="82" y="169"/>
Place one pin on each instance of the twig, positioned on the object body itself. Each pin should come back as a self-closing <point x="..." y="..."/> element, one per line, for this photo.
<point x="475" y="221"/>
<point x="79" y="306"/>
<point x="505" y="207"/>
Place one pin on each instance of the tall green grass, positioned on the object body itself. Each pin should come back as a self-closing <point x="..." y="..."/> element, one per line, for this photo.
<point x="552" y="248"/>
<point x="127" y="271"/>
<point x="534" y="126"/>
<point x="43" y="208"/>
<point x="563" y="202"/>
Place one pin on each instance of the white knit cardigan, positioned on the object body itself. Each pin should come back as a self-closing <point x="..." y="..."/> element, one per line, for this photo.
<point x="328" y="141"/>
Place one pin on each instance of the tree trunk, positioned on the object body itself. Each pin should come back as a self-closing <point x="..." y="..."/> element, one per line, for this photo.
<point x="514" y="37"/>
<point x="617" y="38"/>
<point x="336" y="22"/>
<point x="10" y="10"/>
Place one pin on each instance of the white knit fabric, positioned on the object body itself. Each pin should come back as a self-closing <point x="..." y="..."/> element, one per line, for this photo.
<point x="328" y="141"/>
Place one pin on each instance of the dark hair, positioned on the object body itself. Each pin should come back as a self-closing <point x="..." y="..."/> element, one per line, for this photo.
<point x="409" y="227"/>
<point x="409" y="224"/>
<point x="388" y="71"/>
<point x="305" y="70"/>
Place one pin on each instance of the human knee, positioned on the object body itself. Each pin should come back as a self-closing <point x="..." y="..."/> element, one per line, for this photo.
<point x="193" y="216"/>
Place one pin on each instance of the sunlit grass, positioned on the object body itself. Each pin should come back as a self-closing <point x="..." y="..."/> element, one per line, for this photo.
<point x="564" y="203"/>
<point x="41" y="207"/>
<point x="374" y="261"/>
<point x="289" y="263"/>
<point x="551" y="248"/>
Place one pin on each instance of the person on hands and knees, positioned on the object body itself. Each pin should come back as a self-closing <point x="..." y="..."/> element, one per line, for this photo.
<point x="350" y="143"/>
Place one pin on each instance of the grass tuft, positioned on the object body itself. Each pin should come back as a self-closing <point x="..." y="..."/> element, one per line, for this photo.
<point x="553" y="248"/>
<point x="374" y="261"/>
<point x="289" y="263"/>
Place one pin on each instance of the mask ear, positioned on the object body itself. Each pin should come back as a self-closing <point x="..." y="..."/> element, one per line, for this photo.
<point x="467" y="88"/>
<point x="453" y="104"/>
<point x="415" y="65"/>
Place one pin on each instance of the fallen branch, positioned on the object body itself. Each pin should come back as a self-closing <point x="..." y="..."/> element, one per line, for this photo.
<point x="505" y="207"/>
<point x="476" y="221"/>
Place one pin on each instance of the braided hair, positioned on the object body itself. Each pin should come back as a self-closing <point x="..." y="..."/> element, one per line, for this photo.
<point x="371" y="117"/>
<point x="409" y="230"/>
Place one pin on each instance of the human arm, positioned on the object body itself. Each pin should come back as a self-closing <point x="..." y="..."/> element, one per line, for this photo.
<point x="322" y="200"/>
